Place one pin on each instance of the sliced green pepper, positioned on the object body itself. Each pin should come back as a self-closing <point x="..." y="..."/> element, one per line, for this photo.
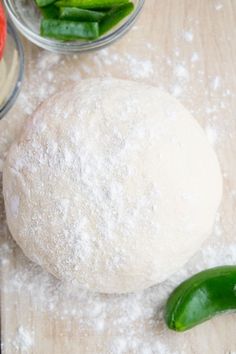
<point x="201" y="297"/>
<point x="50" y="11"/>
<point x="91" y="4"/>
<point x="76" y="14"/>
<point x="69" y="30"/>
<point x="114" y="16"/>
<point x="42" y="3"/>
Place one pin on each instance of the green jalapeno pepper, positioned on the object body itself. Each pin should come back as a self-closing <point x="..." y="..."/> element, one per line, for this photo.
<point x="114" y="16"/>
<point x="76" y="14"/>
<point x="69" y="30"/>
<point x="201" y="297"/>
<point x="90" y="4"/>
<point x="50" y="11"/>
<point x="42" y="3"/>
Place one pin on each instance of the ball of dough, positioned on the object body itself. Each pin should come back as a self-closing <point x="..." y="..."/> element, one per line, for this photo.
<point x="112" y="185"/>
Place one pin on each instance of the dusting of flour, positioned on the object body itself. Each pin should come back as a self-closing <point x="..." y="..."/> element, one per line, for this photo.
<point x="132" y="323"/>
<point x="23" y="340"/>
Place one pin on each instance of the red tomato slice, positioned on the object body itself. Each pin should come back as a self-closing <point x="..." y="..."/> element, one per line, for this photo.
<point x="3" y="30"/>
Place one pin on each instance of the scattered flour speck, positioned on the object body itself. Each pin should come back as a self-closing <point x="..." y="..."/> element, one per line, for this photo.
<point x="14" y="205"/>
<point x="188" y="36"/>
<point x="212" y="134"/>
<point x="181" y="72"/>
<point x="176" y="90"/>
<point x="194" y="57"/>
<point x="23" y="340"/>
<point x="218" y="6"/>
<point x="131" y="314"/>
<point x="216" y="82"/>
<point x="139" y="68"/>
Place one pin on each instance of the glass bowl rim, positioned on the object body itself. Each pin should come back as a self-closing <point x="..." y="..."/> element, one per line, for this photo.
<point x="73" y="46"/>
<point x="7" y="105"/>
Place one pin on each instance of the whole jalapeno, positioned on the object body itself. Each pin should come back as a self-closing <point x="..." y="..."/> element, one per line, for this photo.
<point x="201" y="297"/>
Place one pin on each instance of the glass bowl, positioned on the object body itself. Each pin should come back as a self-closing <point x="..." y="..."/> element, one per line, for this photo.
<point x="11" y="70"/>
<point x="26" y="18"/>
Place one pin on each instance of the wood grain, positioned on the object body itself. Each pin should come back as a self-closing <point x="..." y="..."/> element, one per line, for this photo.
<point x="160" y="37"/>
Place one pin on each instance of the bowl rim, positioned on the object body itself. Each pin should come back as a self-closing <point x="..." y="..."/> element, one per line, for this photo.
<point x="73" y="46"/>
<point x="7" y="105"/>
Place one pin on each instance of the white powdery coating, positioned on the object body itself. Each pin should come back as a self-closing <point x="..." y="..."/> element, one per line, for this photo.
<point x="90" y="191"/>
<point x="52" y="69"/>
<point x="24" y="340"/>
<point x="14" y="205"/>
<point x="216" y="82"/>
<point x="212" y="134"/>
<point x="181" y="72"/>
<point x="176" y="90"/>
<point x="194" y="57"/>
<point x="48" y="295"/>
<point x="188" y="36"/>
<point x="218" y="6"/>
<point x="92" y="313"/>
<point x="139" y="68"/>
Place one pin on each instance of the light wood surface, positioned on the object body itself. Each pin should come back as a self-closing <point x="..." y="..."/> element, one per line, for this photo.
<point x="189" y="48"/>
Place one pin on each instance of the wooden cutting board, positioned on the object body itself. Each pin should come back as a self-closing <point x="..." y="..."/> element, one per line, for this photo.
<point x="188" y="48"/>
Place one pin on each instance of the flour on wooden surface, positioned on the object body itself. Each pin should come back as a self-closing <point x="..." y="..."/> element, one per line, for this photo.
<point x="181" y="72"/>
<point x="219" y="6"/>
<point x="23" y="340"/>
<point x="212" y="134"/>
<point x="194" y="57"/>
<point x="216" y="83"/>
<point x="188" y="36"/>
<point x="132" y="312"/>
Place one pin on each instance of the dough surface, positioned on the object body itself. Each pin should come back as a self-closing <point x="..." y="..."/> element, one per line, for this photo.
<point x="112" y="185"/>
